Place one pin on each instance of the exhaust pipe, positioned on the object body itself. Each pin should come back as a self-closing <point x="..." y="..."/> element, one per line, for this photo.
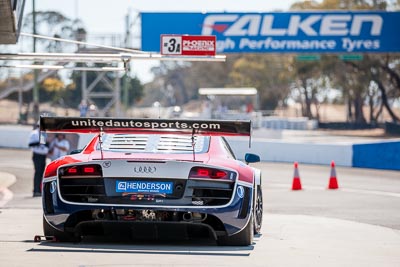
<point x="187" y="216"/>
<point x="99" y="215"/>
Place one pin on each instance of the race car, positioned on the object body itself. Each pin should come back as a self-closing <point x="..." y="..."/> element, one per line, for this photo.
<point x="152" y="178"/>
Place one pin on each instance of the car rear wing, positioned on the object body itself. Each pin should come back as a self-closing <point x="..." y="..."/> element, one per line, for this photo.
<point x="147" y="126"/>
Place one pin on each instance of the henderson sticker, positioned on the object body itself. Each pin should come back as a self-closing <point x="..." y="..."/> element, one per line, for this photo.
<point x="143" y="187"/>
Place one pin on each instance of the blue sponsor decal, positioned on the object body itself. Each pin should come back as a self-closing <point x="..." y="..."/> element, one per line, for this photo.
<point x="144" y="187"/>
<point x="284" y="32"/>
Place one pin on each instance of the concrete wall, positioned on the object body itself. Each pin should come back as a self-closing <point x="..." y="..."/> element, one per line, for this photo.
<point x="278" y="151"/>
<point x="301" y="123"/>
<point x="17" y="136"/>
<point x="381" y="155"/>
<point x="14" y="136"/>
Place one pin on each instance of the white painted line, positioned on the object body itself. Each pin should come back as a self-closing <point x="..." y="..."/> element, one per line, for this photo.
<point x="5" y="196"/>
<point x="349" y="190"/>
<point x="371" y="192"/>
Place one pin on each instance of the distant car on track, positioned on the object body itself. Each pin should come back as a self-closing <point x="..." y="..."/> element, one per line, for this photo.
<point x="152" y="178"/>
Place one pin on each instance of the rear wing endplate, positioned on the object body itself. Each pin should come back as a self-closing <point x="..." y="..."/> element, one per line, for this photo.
<point x="148" y="126"/>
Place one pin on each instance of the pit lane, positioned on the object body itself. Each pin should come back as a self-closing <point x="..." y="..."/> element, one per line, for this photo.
<point x="356" y="225"/>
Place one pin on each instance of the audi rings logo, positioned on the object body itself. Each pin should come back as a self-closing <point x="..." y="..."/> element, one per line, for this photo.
<point x="145" y="169"/>
<point x="106" y="164"/>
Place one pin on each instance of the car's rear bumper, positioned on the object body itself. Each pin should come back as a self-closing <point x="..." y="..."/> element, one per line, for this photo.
<point x="222" y="220"/>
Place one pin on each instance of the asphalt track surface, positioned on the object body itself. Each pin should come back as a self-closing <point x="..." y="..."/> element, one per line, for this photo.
<point x="356" y="225"/>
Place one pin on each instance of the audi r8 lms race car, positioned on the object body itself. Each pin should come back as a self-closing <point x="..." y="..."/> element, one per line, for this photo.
<point x="152" y="178"/>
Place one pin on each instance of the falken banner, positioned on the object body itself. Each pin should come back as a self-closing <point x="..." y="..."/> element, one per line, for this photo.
<point x="287" y="32"/>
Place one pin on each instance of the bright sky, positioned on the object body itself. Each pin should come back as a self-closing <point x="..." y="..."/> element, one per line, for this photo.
<point x="105" y="16"/>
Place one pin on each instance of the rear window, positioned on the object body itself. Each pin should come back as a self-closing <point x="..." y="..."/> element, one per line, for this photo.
<point x="141" y="143"/>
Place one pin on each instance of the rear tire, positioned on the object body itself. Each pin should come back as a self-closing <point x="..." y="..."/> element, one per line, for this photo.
<point x="258" y="210"/>
<point x="51" y="233"/>
<point x="243" y="238"/>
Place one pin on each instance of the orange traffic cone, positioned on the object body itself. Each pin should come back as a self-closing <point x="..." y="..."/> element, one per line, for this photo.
<point x="296" y="185"/>
<point x="333" y="184"/>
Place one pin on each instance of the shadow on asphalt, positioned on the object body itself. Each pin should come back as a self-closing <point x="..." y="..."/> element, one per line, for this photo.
<point x="194" y="246"/>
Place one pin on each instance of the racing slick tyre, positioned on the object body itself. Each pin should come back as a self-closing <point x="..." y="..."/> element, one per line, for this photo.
<point x="53" y="234"/>
<point x="243" y="238"/>
<point x="258" y="210"/>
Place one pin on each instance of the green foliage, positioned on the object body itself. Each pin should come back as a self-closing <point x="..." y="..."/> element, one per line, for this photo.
<point x="341" y="4"/>
<point x="270" y="74"/>
<point x="53" y="24"/>
<point x="179" y="84"/>
<point x="135" y="90"/>
<point x="51" y="90"/>
<point x="354" y="78"/>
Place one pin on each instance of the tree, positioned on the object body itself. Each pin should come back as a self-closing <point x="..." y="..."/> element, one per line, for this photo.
<point x="53" y="24"/>
<point x="177" y="83"/>
<point x="360" y="82"/>
<point x="307" y="74"/>
<point x="270" y="74"/>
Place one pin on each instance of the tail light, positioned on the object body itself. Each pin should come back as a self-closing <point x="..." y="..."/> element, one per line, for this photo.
<point x="210" y="173"/>
<point x="81" y="171"/>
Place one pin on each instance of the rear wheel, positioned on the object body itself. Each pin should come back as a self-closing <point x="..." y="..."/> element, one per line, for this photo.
<point x="258" y="210"/>
<point x="243" y="238"/>
<point x="51" y="233"/>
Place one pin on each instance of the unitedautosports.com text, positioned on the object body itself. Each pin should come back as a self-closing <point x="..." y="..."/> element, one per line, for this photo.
<point x="145" y="124"/>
